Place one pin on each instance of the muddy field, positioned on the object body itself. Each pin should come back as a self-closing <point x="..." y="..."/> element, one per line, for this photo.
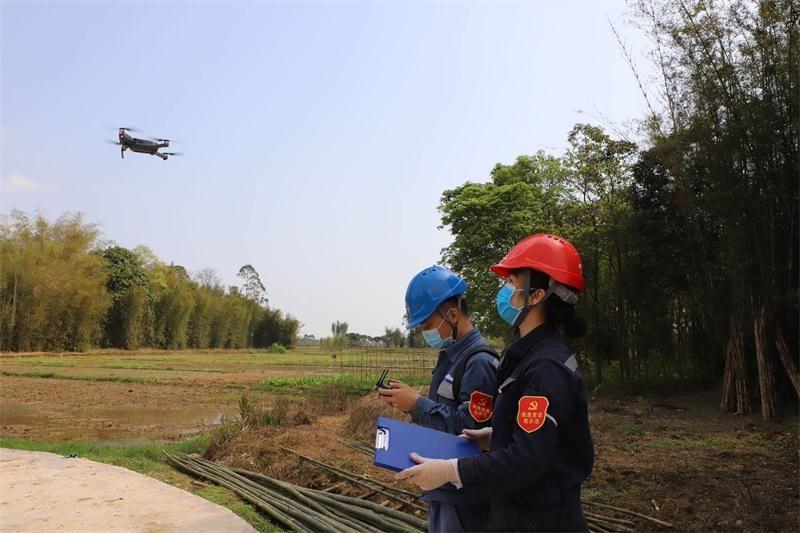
<point x="163" y="396"/>
<point x="676" y="458"/>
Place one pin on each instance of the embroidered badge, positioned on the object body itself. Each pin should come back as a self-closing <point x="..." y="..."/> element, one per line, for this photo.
<point x="480" y="406"/>
<point x="532" y="412"/>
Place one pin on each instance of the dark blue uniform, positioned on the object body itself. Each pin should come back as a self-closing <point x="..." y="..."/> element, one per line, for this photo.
<point x="541" y="448"/>
<point x="449" y="509"/>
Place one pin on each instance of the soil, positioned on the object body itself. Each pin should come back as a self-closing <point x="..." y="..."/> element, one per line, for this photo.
<point x="57" y="409"/>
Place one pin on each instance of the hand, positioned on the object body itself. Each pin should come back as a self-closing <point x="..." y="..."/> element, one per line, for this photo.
<point x="482" y="437"/>
<point x="430" y="474"/>
<point x="400" y="396"/>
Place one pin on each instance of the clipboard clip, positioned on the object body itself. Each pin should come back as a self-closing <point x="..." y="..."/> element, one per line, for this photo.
<point x="382" y="439"/>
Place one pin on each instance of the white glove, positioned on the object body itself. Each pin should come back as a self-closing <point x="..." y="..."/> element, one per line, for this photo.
<point x="431" y="474"/>
<point x="483" y="437"/>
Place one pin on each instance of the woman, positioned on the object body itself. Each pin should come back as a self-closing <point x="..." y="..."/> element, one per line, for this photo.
<point x="540" y="448"/>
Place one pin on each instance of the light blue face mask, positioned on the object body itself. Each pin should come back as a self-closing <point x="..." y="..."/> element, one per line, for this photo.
<point x="507" y="312"/>
<point x="434" y="339"/>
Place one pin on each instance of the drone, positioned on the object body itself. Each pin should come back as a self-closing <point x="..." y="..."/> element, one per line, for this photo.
<point x="143" y="146"/>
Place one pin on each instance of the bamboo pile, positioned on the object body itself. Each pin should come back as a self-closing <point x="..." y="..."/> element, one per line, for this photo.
<point x="299" y="508"/>
<point x="302" y="509"/>
<point x="392" y="492"/>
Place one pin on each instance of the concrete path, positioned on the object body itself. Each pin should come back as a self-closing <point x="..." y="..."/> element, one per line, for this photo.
<point x="47" y="492"/>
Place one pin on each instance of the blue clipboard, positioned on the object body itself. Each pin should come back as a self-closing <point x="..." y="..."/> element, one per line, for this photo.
<point x="395" y="440"/>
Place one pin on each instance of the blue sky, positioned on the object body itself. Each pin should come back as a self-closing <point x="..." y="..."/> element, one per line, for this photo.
<point x="318" y="136"/>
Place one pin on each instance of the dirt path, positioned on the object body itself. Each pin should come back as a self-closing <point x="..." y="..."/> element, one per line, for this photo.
<point x="46" y="492"/>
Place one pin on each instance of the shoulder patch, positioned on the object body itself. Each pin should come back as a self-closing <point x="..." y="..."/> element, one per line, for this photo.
<point x="532" y="412"/>
<point x="480" y="406"/>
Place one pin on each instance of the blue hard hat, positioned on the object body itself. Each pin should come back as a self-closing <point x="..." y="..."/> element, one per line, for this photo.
<point x="428" y="290"/>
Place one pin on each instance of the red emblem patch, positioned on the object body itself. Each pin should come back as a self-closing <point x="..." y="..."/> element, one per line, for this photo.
<point x="480" y="406"/>
<point x="532" y="412"/>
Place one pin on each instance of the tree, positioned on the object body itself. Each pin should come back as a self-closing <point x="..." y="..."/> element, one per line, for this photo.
<point x="487" y="219"/>
<point x="394" y="337"/>
<point x="339" y="329"/>
<point x="732" y="147"/>
<point x="52" y="283"/>
<point x="414" y="339"/>
<point x="252" y="287"/>
<point x="208" y="278"/>
<point x="597" y="208"/>
<point x="128" y="286"/>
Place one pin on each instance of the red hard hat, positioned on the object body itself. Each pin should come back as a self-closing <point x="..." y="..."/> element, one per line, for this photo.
<point x="550" y="254"/>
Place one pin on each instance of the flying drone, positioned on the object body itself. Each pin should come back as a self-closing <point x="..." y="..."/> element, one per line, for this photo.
<point x="143" y="146"/>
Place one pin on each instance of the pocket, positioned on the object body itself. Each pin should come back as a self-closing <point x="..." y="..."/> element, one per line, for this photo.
<point x="445" y="390"/>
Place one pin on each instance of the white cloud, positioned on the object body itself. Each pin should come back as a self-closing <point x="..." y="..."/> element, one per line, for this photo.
<point x="16" y="183"/>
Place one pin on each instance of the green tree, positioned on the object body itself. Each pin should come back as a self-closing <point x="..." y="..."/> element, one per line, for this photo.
<point x="728" y="138"/>
<point x="128" y="284"/>
<point x="487" y="219"/>
<point x="52" y="283"/>
<point x="596" y="210"/>
<point x="394" y="337"/>
<point x="173" y="309"/>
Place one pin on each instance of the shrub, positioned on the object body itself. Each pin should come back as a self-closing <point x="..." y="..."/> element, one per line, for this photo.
<point x="277" y="348"/>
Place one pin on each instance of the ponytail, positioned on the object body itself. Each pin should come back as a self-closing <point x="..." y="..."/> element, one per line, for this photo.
<point x="558" y="313"/>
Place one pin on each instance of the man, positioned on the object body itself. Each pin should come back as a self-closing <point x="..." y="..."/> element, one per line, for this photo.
<point x="462" y="386"/>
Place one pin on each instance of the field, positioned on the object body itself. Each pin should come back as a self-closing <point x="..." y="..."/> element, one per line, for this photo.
<point x="674" y="457"/>
<point x="166" y="396"/>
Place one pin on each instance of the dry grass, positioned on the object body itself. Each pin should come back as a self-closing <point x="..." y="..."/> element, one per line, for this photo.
<point x="360" y="422"/>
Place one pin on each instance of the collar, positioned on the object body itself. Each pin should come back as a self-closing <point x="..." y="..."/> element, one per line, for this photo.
<point x="517" y="349"/>
<point x="455" y="349"/>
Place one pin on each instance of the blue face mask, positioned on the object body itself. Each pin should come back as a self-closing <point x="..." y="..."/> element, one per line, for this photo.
<point x="434" y="339"/>
<point x="507" y="312"/>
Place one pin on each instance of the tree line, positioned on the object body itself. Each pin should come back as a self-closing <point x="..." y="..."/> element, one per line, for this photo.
<point x="688" y="235"/>
<point x="342" y="338"/>
<point x="62" y="288"/>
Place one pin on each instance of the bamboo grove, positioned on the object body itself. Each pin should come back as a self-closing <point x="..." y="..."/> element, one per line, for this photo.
<point x="62" y="288"/>
<point x="689" y="235"/>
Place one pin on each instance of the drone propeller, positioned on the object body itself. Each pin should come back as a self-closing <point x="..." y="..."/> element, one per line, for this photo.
<point x="159" y="140"/>
<point x="172" y="153"/>
<point x="130" y="129"/>
<point x="109" y="141"/>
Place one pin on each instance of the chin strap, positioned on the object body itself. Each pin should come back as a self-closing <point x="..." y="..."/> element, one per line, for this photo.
<point x="560" y="290"/>
<point x="522" y="314"/>
<point x="454" y="327"/>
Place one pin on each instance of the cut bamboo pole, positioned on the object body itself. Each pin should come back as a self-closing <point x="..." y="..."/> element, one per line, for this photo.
<point x="626" y="511"/>
<point x="360" y="479"/>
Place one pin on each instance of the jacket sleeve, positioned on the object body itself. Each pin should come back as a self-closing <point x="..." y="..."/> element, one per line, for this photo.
<point x="479" y="375"/>
<point x="527" y="457"/>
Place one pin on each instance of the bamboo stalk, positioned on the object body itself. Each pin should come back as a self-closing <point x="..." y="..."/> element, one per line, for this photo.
<point x="619" y="521"/>
<point x="607" y="525"/>
<point x="413" y="520"/>
<point x="600" y="529"/>
<point x="282" y="518"/>
<point x="330" y="514"/>
<point x="334" y="486"/>
<point x="312" y="513"/>
<point x="352" y="474"/>
<point x="362" y="480"/>
<point x="626" y="511"/>
<point x="398" y="525"/>
<point x="316" y="520"/>
<point x="400" y="515"/>
<point x="303" y="516"/>
<point x="296" y="493"/>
